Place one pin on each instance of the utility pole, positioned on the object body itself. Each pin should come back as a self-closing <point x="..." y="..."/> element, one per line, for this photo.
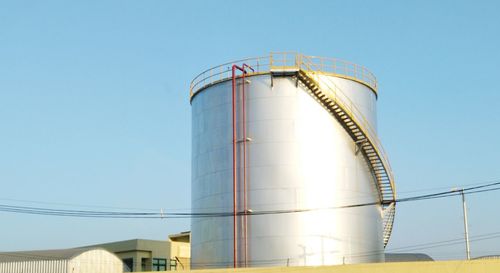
<point x="466" y="228"/>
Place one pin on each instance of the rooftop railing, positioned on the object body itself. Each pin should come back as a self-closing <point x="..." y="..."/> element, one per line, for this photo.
<point x="282" y="60"/>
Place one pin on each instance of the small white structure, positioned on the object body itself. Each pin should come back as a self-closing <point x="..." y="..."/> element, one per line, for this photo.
<point x="76" y="260"/>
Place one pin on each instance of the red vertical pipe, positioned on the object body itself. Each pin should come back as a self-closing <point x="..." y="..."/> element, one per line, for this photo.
<point x="234" y="167"/>
<point x="235" y="184"/>
<point x="245" y="218"/>
<point x="244" y="167"/>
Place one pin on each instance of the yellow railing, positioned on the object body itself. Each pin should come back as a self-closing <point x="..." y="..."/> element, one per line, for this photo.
<point x="319" y="69"/>
<point x="278" y="60"/>
<point x="315" y="66"/>
<point x="334" y="92"/>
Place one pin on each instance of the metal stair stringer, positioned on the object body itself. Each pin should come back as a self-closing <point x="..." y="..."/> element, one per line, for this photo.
<point x="367" y="144"/>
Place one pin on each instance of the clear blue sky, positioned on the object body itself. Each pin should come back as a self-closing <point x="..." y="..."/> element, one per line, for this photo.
<point x="94" y="105"/>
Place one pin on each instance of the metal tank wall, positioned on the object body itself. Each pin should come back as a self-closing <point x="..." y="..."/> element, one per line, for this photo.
<point x="299" y="157"/>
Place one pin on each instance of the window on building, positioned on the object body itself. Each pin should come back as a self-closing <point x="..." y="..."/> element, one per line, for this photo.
<point x="173" y="264"/>
<point x="128" y="264"/>
<point x="159" y="264"/>
<point x="145" y="264"/>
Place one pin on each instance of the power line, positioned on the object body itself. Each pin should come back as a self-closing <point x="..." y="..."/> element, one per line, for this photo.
<point x="403" y="249"/>
<point x="477" y="183"/>
<point x="436" y="244"/>
<point x="65" y="204"/>
<point x="175" y="215"/>
<point x="74" y="205"/>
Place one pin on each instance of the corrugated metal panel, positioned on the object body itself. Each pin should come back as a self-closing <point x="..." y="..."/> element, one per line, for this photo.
<point x="43" y="255"/>
<point x="88" y="261"/>
<point x="53" y="266"/>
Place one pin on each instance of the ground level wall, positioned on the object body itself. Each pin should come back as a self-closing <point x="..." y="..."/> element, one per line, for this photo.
<point x="473" y="266"/>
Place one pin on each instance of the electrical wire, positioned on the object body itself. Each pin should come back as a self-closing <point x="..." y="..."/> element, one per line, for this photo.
<point x="175" y="215"/>
<point x="179" y="209"/>
<point x="403" y="249"/>
<point x="34" y="255"/>
<point x="74" y="205"/>
<point x="477" y="183"/>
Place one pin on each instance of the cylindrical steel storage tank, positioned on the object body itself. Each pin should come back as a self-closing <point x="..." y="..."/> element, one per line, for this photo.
<point x="277" y="174"/>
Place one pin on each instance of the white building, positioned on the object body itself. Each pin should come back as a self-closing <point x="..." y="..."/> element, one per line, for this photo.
<point x="76" y="260"/>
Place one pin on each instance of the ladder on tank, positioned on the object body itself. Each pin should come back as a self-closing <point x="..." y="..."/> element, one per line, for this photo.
<point x="334" y="101"/>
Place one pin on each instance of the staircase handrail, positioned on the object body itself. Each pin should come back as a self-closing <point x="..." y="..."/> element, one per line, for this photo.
<point x="348" y="105"/>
